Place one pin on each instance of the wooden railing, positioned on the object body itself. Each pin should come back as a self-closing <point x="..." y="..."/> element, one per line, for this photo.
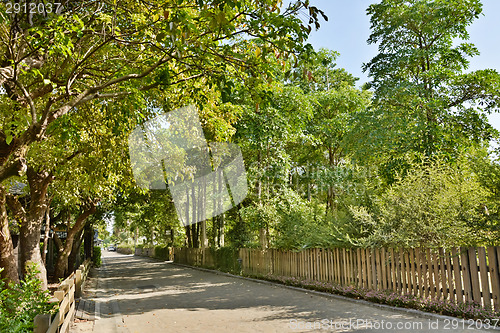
<point x="65" y="296"/>
<point x="457" y="274"/>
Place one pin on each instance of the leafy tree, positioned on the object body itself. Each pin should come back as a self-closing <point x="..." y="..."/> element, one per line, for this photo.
<point x="53" y="64"/>
<point x="425" y="103"/>
<point x="435" y="204"/>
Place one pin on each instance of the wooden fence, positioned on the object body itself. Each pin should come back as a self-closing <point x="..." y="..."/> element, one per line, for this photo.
<point x="194" y="257"/>
<point x="457" y="274"/>
<point x="65" y="295"/>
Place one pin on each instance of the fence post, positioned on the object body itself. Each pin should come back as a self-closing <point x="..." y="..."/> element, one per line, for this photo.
<point x="78" y="283"/>
<point x="41" y="323"/>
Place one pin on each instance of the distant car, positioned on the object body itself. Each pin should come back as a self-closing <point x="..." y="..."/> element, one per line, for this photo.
<point x="112" y="248"/>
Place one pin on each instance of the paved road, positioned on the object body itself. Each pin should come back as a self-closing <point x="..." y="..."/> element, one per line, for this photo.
<point x="136" y="294"/>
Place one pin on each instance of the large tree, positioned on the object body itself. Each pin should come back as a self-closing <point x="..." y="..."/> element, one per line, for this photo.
<point x="426" y="103"/>
<point x="53" y="64"/>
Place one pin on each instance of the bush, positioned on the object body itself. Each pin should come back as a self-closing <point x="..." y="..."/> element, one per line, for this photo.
<point x="433" y="205"/>
<point x="96" y="259"/>
<point x="162" y="252"/>
<point x="226" y="259"/>
<point x="124" y="250"/>
<point x="20" y="303"/>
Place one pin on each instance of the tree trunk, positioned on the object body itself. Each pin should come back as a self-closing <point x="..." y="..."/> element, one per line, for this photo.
<point x="263" y="238"/>
<point x="30" y="231"/>
<point x="221" y="230"/>
<point x="194" y="234"/>
<point x="188" y="236"/>
<point x="204" y="239"/>
<point x="62" y="260"/>
<point x="308" y="184"/>
<point x="7" y="259"/>
<point x="330" y="195"/>
<point x="46" y="235"/>
<point x="88" y="243"/>
<point x="73" y="259"/>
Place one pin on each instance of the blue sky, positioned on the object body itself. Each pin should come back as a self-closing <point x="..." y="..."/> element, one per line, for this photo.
<point x="348" y="28"/>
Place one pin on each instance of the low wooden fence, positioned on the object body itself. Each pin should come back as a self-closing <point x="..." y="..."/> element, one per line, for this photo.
<point x="457" y="274"/>
<point x="65" y="295"/>
<point x="194" y="257"/>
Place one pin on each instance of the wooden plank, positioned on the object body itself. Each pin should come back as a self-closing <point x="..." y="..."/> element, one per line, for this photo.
<point x="493" y="263"/>
<point x="374" y="268"/>
<point x="59" y="294"/>
<point x="309" y="267"/>
<point x="383" y="265"/>
<point x="369" y="270"/>
<point x="54" y="325"/>
<point x="41" y="323"/>
<point x="67" y="321"/>
<point x="351" y="266"/>
<point x="297" y="259"/>
<point x="418" y="269"/>
<point x="313" y="264"/>
<point x="464" y="262"/>
<point x="437" y="276"/>
<point x="407" y="271"/>
<point x="485" y="283"/>
<point x="320" y="264"/>
<point x="457" y="274"/>
<point x="350" y="259"/>
<point x="476" y="289"/>
<point x="413" y="271"/>
<point x="326" y="259"/>
<point x="378" y="263"/>
<point x="296" y="264"/>
<point x="317" y="265"/>
<point x="359" y="280"/>
<point x="394" y="269"/>
<point x="399" y="268"/>
<point x="425" y="273"/>
<point x="327" y="265"/>
<point x="449" y="273"/>
<point x="430" y="275"/>
<point x="344" y="268"/>
<point x="364" y="283"/>
<point x="392" y="274"/>
<point x="332" y="265"/>
<point x="442" y="271"/>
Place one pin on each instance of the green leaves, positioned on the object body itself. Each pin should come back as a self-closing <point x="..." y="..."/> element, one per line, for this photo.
<point x="422" y="95"/>
<point x="19" y="304"/>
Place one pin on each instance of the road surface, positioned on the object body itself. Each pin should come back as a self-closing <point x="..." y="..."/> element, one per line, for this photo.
<point x="136" y="294"/>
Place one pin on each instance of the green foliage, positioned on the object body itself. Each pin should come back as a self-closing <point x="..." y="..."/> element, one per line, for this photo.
<point x="435" y="204"/>
<point x="292" y="221"/>
<point x="424" y="102"/>
<point x="20" y="303"/>
<point x="162" y="252"/>
<point x="226" y="259"/>
<point x="96" y="259"/>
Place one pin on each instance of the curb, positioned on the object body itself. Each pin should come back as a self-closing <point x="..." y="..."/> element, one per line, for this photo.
<point x="417" y="313"/>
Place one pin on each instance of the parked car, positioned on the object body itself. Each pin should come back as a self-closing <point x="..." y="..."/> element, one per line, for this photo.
<point x="112" y="248"/>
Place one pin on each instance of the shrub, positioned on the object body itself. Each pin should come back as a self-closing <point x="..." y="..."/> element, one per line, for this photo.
<point x="162" y="252"/>
<point x="96" y="259"/>
<point x="226" y="259"/>
<point x="124" y="250"/>
<point x="433" y="205"/>
<point x="20" y="303"/>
